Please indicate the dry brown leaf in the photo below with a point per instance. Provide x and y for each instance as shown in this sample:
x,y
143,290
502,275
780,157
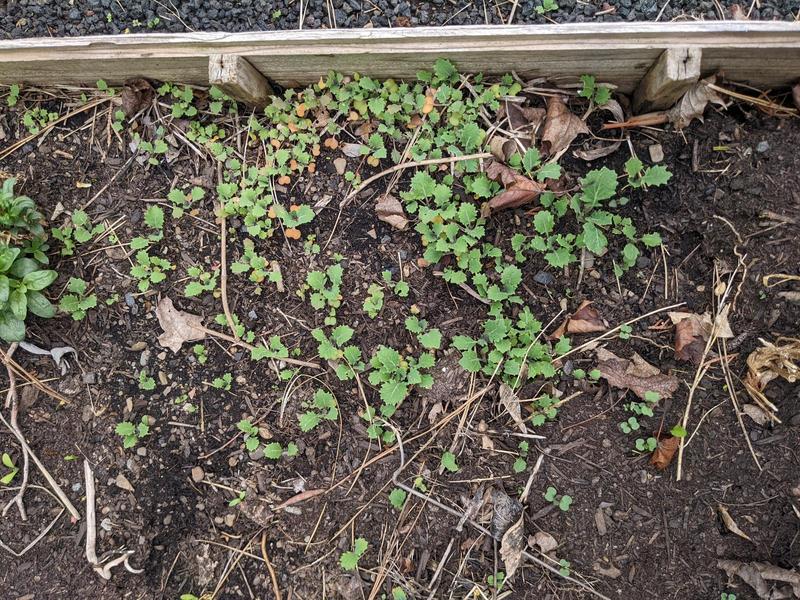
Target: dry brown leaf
x,y
519,189
781,359
615,109
544,541
561,127
502,148
693,103
511,547
505,512
730,524
390,210
586,319
179,327
762,577
692,332
351,150
664,452
796,95
511,403
756,413
636,375
136,95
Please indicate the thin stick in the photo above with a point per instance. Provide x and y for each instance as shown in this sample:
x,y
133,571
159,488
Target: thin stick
x,y
275,587
56,488
19,144
243,344
408,165
12,399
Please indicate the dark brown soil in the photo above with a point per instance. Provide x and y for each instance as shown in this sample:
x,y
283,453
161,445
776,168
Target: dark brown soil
x,y
630,528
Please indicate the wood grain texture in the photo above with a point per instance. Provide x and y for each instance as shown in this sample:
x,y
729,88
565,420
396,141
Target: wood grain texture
x,y
668,79
239,79
761,53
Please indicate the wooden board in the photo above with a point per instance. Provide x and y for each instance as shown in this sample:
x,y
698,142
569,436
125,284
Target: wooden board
x,y
764,54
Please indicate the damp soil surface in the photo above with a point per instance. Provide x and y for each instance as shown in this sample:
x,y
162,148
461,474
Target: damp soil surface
x,y
171,499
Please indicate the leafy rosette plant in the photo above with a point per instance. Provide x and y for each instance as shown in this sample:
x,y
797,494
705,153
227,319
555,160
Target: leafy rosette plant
x,y
21,284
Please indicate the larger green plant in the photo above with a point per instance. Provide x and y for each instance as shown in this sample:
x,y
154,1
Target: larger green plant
x,y
22,277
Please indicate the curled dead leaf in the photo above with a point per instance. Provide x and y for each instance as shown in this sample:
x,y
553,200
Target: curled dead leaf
x,y
179,327
693,103
796,95
636,375
502,148
596,152
730,524
781,359
692,332
586,319
519,189
510,401
511,547
390,210
664,453
542,540
561,127
136,95
764,578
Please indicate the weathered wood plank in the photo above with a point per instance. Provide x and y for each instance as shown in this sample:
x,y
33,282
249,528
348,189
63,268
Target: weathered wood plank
x,y
668,79
761,53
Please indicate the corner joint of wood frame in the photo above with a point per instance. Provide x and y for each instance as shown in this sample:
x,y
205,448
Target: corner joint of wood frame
x,y
675,71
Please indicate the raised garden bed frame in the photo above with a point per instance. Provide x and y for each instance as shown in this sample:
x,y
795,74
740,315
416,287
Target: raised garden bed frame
x,y
763,54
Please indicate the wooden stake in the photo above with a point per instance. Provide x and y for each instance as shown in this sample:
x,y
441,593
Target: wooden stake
x,y
668,79
239,79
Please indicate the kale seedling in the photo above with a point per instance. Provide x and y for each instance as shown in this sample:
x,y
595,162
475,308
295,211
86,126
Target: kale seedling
x,y
77,302
349,560
397,498
396,375
223,383
562,502
323,407
132,434
374,300
12,471
335,348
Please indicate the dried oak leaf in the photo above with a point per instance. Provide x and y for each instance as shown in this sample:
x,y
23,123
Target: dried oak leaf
x,y
519,189
636,375
544,541
390,210
512,546
586,319
179,327
561,127
692,332
136,95
693,103
664,452
763,578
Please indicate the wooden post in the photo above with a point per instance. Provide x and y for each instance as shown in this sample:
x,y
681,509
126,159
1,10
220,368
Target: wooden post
x,y
675,71
238,79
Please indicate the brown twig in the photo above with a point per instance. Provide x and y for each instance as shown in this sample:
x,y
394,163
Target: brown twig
x,y
408,165
273,577
12,400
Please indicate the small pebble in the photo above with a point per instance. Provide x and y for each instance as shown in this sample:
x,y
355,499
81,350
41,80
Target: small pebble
x,y
122,483
656,153
762,147
198,474
544,278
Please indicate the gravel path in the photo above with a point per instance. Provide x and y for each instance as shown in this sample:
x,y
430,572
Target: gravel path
x,y
27,18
